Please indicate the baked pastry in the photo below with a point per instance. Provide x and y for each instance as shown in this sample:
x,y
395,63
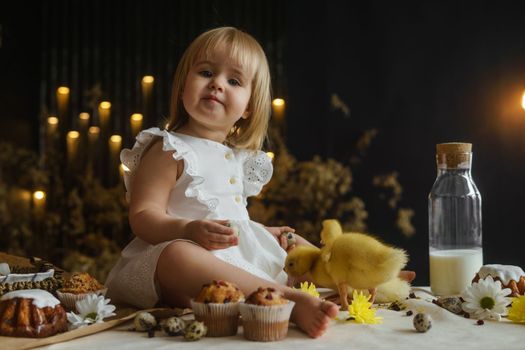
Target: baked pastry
x,y
77,287
512,277
219,292
80,283
266,297
32,313
266,314
217,305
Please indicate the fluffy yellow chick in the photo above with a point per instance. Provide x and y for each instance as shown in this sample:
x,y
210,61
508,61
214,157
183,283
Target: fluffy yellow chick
x,y
305,260
357,260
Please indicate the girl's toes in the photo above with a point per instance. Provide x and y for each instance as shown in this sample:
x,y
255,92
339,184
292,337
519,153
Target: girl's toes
x,y
330,309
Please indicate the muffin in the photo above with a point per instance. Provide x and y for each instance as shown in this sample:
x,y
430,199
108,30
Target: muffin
x,y
77,287
265,315
217,305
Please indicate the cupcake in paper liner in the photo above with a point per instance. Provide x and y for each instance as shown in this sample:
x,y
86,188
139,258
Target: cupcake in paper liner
x,y
265,315
217,305
77,287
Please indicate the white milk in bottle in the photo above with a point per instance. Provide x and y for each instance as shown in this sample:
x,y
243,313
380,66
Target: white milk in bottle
x,y
454,217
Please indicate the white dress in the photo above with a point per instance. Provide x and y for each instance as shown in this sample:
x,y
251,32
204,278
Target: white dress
x,y
214,185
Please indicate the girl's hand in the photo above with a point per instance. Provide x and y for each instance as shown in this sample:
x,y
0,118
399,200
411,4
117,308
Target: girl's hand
x,y
211,234
278,233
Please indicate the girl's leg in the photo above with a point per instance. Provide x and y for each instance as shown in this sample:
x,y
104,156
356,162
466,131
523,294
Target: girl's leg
x,y
184,267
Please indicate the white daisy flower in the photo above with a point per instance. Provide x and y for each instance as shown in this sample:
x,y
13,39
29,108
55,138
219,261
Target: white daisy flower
x,y
92,309
485,300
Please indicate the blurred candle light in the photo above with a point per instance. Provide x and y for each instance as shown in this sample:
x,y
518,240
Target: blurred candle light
x,y
147,89
123,169
93,137
104,112
271,155
20,198
52,124
523,100
39,203
278,106
51,133
93,134
25,196
148,79
62,101
115,143
83,119
136,124
72,146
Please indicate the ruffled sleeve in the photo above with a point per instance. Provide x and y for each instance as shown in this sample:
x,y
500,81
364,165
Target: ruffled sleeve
x,y
258,170
170,142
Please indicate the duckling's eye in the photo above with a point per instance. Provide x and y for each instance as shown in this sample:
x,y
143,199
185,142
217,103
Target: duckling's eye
x,y
290,264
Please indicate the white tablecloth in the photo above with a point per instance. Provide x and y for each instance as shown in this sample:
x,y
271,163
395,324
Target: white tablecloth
x,y
448,332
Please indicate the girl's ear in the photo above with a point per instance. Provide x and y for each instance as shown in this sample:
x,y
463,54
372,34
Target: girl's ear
x,y
246,114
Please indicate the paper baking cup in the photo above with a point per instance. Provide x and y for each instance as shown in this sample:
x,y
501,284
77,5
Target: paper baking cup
x,y
68,300
266,323
221,319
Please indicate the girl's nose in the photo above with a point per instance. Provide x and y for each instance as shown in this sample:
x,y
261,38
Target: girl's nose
x,y
215,84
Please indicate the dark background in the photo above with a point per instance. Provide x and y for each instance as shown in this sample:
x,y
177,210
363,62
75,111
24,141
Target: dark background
x,y
420,73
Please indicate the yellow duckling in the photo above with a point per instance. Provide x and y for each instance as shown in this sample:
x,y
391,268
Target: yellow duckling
x,y
357,260
306,261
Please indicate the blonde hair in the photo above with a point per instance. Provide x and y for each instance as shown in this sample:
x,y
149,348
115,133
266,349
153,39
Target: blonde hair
x,y
248,133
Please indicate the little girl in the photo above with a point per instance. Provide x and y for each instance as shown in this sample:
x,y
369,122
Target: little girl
x,y
187,187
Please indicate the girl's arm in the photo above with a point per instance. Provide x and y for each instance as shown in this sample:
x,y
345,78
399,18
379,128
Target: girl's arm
x,y
155,176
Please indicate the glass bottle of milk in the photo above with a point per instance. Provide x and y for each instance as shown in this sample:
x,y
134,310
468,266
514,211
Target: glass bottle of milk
x,y
454,220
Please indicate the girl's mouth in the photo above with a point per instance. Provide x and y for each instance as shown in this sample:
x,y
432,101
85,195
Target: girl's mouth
x,y
213,98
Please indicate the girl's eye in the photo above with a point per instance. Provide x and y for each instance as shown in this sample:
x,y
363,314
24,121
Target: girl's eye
x,y
234,82
206,73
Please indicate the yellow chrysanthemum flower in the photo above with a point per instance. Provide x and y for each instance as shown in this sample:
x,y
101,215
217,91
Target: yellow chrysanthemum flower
x,y
309,288
517,310
360,309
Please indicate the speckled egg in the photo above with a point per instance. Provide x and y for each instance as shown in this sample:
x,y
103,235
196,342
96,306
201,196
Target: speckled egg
x,y
173,326
195,331
452,304
144,321
422,322
234,227
290,238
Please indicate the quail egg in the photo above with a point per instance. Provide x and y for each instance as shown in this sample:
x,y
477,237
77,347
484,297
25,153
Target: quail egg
x,y
173,326
144,321
452,304
422,322
195,331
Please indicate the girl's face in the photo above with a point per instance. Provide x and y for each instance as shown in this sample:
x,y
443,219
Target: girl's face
x,y
217,92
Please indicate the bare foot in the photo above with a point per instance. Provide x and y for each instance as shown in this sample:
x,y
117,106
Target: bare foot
x,y
311,314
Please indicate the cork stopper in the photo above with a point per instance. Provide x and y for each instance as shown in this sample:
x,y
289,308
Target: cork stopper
x,y
453,155
453,147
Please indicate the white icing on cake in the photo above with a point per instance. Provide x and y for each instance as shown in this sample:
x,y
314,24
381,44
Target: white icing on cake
x,y
4,269
41,298
506,273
